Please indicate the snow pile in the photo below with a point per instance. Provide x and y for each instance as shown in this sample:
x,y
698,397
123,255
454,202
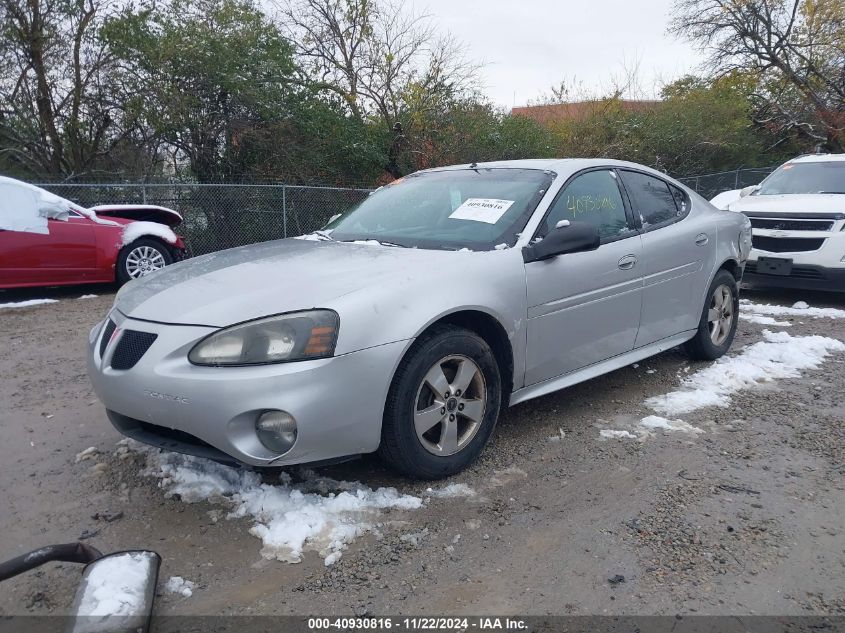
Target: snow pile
x,y
178,585
27,303
116,586
136,230
318,514
778,356
763,320
26,208
800,309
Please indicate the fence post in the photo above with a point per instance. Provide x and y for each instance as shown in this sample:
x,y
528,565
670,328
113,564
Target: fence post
x,y
736,180
285,210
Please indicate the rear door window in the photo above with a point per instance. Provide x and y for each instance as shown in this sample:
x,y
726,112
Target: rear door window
x,y
652,200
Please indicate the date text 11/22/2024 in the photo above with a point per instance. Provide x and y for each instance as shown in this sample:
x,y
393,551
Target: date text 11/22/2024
x,y
418,624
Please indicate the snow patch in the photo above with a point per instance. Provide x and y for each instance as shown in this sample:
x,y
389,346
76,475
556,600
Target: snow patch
x,y
778,356
800,309
319,514
178,585
27,303
136,230
656,422
115,586
88,297
608,434
759,319
452,490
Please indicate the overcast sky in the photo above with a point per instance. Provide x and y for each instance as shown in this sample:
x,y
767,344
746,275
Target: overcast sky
x,y
530,45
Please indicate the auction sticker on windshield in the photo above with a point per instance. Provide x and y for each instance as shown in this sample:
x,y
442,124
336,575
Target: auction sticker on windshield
x,y
489,210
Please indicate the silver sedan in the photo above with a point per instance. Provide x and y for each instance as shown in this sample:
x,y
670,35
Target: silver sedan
x,y
407,324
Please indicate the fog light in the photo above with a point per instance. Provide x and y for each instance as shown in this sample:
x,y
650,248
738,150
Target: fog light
x,y
276,430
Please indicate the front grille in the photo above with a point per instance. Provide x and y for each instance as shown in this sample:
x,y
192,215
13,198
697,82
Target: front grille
x,y
791,225
107,334
130,348
785,244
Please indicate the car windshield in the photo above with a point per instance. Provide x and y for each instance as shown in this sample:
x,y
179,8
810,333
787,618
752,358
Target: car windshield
x,y
477,209
815,177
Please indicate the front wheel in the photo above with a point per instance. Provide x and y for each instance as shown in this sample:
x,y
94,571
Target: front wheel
x,y
141,258
717,326
443,404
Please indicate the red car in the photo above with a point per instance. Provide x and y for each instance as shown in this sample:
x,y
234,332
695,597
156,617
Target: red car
x,y
46,240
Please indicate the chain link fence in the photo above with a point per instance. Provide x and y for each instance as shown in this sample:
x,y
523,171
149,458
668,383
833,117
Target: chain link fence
x,y
216,217
709,185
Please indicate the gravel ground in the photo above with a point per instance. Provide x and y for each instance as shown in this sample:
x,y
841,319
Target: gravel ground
x,y
744,518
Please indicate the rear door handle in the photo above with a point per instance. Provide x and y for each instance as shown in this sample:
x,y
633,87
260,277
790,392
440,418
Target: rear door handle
x,y
628,262
701,239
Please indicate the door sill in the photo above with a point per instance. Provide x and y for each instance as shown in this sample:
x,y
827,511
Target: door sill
x,y
592,371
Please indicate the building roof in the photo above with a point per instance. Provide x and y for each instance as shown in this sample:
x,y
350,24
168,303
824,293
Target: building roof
x,y
579,110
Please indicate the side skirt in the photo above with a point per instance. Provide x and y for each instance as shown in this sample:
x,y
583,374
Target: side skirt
x,y
587,373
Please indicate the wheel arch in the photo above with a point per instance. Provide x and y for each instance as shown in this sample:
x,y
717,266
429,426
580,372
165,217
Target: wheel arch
x,y
733,267
170,248
489,328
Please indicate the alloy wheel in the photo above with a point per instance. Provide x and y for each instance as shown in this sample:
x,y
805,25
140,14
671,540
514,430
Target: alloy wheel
x,y
143,260
450,405
720,316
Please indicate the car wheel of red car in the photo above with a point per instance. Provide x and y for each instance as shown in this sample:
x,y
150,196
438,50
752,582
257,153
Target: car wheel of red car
x,y
140,258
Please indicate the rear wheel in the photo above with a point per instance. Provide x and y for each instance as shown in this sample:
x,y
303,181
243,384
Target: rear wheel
x,y
717,326
443,404
141,258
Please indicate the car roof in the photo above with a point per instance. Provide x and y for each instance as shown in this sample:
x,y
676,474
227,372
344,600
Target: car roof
x,y
558,165
818,158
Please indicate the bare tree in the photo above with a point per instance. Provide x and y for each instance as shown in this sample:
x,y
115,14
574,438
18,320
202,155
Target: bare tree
x,y
796,48
383,62
56,114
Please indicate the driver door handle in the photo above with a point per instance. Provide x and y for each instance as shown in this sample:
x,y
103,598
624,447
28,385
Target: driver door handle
x,y
627,262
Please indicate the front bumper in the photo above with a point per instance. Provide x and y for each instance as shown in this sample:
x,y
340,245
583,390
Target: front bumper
x,y
165,401
811,259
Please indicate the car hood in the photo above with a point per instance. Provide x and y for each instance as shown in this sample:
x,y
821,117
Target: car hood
x,y
253,281
809,204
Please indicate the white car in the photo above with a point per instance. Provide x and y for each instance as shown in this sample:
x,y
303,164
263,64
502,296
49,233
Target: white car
x,y
798,219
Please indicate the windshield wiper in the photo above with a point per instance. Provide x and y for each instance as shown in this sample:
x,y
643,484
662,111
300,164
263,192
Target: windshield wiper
x,y
324,235
372,239
839,192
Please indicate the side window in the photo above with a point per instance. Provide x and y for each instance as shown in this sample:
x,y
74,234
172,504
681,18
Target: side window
x,y
652,199
592,197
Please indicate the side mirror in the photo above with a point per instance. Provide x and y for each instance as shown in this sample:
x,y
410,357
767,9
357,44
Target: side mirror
x,y
747,191
117,593
568,237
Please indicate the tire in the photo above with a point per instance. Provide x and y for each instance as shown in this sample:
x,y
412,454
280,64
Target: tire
x,y
464,359
140,258
707,344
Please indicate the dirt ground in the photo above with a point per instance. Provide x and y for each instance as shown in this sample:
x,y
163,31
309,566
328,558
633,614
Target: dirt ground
x,y
745,518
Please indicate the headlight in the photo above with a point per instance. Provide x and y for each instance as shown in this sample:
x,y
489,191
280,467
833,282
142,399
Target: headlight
x,y
278,339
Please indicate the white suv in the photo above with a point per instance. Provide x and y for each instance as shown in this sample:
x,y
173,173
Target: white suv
x,y
798,220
